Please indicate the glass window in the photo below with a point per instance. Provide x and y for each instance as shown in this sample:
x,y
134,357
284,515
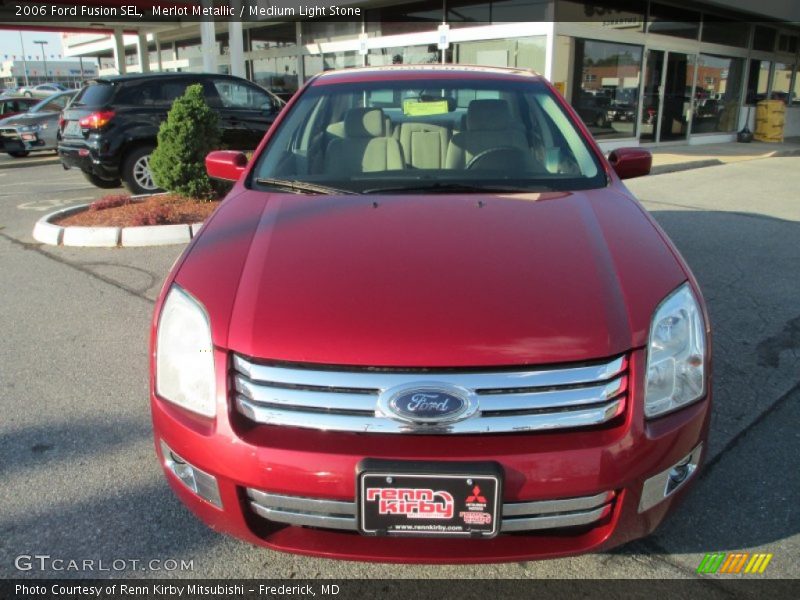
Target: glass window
x,y
717,30
523,53
239,95
333,60
405,55
328,31
403,18
277,74
279,35
764,38
719,85
670,20
757,81
463,12
414,136
781,82
605,90
95,94
625,15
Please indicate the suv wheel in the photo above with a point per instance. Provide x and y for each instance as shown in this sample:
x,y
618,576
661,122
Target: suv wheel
x,y
136,171
101,183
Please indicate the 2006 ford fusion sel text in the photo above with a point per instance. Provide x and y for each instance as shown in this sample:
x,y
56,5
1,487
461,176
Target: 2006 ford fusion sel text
x,y
430,324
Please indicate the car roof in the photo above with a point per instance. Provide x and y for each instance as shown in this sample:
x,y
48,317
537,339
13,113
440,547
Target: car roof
x,y
425,72
162,75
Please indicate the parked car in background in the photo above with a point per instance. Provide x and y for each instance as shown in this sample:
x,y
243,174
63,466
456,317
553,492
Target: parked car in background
x,y
42,90
35,130
110,129
593,110
12,105
430,324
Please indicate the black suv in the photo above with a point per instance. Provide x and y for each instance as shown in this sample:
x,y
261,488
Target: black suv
x,y
110,128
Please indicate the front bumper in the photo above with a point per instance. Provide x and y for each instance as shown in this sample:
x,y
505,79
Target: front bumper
x,y
12,140
256,464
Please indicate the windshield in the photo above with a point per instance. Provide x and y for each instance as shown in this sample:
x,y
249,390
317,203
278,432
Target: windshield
x,y
429,135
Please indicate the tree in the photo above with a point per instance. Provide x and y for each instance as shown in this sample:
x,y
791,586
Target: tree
x,y
190,132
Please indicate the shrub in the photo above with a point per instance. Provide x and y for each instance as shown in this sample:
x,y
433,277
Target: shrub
x,y
111,201
190,132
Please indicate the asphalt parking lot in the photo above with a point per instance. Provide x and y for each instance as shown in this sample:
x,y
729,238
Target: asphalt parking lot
x,y
80,475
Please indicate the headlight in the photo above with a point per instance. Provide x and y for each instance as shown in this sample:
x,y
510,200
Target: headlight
x,y
676,354
184,355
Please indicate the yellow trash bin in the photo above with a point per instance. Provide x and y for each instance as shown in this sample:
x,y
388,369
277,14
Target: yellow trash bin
x,y
770,118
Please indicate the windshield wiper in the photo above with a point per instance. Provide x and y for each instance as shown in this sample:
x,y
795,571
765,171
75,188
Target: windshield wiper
x,y
437,187
298,187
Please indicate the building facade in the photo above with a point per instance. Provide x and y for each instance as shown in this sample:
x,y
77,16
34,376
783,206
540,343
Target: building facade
x,y
637,71
70,73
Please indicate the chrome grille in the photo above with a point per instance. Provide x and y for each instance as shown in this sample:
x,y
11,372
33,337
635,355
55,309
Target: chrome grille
x,y
508,401
517,516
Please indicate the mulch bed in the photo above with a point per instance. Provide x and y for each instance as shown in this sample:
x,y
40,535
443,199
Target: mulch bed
x,y
122,211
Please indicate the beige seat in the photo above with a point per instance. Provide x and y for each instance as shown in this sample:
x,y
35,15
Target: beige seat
x,y
365,146
488,125
337,129
424,145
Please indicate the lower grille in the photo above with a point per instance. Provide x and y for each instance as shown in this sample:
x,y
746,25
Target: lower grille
x,y
353,400
517,516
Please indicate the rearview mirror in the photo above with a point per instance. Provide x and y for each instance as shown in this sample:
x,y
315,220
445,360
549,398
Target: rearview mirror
x,y
631,162
227,165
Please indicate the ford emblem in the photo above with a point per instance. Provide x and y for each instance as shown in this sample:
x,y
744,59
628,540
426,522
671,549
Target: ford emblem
x,y
432,403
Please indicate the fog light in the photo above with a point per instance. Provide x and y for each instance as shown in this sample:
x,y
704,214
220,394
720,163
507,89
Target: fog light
x,y
200,482
679,473
660,486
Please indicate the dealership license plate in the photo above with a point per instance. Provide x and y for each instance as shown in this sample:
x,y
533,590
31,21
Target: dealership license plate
x,y
72,128
419,501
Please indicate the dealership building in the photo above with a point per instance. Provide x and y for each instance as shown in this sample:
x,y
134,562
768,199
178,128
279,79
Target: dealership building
x,y
637,71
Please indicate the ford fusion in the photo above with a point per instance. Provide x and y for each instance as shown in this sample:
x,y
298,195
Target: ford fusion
x,y
430,324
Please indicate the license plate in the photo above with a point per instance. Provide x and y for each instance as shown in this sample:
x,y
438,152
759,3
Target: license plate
x,y
429,499
72,128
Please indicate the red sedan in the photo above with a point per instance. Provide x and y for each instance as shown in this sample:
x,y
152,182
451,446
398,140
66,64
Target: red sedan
x,y
430,324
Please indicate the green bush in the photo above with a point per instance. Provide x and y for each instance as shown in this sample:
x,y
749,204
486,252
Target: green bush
x,y
190,132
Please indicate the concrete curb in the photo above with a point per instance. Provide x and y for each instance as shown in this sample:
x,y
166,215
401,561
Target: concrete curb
x,y
714,162
51,234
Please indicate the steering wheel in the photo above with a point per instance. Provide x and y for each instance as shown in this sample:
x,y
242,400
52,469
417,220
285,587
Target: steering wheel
x,y
500,158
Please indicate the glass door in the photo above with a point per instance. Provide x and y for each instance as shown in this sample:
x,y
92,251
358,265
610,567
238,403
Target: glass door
x,y
667,98
651,96
676,108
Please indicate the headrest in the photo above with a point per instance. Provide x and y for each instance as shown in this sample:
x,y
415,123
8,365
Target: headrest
x,y
363,122
488,114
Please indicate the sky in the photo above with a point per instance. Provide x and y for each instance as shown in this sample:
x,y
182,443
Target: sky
x,y
10,44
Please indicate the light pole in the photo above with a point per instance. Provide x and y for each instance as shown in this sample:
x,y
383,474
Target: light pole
x,y
24,62
44,56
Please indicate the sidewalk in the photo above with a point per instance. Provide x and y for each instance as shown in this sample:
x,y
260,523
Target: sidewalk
x,y
680,158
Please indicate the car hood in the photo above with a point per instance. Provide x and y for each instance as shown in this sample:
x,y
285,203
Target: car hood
x,y
431,280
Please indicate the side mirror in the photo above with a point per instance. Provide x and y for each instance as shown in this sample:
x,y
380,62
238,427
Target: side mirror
x,y
226,164
631,162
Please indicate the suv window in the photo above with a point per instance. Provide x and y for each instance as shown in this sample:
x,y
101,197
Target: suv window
x,y
95,94
138,93
238,95
173,89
